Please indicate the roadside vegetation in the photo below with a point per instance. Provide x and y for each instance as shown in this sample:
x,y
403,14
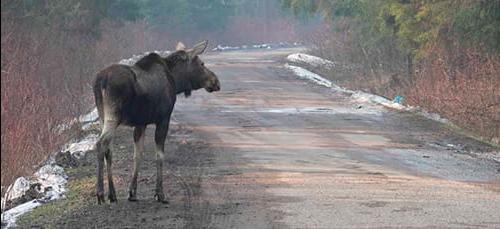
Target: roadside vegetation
x,y
440,55
51,51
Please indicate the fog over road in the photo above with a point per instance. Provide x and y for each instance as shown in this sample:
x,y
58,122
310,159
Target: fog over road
x,y
273,151
321,161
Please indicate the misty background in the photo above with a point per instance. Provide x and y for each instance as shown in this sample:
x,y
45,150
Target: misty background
x,y
439,55
51,51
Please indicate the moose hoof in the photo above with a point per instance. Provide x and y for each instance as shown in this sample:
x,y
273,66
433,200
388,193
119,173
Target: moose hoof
x,y
161,198
112,198
100,198
132,198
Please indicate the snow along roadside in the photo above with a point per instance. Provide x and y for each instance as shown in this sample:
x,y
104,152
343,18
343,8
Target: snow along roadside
x,y
49,182
220,48
356,95
363,97
302,58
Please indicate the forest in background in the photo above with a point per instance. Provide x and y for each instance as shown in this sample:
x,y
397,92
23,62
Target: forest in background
x,y
51,50
442,55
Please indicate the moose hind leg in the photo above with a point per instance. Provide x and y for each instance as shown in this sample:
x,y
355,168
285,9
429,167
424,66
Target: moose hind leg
x,y
138,151
111,193
160,136
102,147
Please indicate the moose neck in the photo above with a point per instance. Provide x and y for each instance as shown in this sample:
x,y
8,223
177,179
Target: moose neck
x,y
183,82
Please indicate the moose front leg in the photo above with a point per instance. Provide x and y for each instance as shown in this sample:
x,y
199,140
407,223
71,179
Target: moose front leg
x,y
138,151
160,136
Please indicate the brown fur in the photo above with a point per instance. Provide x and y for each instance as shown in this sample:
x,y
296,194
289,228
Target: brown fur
x,y
144,94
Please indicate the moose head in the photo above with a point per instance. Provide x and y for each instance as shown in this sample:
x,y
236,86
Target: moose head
x,y
189,71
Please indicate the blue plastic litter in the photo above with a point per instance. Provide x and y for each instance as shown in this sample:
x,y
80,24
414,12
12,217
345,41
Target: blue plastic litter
x,y
398,99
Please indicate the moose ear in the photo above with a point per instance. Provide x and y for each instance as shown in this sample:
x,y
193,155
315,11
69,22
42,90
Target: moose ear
x,y
198,48
180,46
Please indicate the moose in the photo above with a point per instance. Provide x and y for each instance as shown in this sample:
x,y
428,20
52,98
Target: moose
x,y
143,94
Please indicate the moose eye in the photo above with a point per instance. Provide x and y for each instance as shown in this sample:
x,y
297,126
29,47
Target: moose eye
x,y
202,64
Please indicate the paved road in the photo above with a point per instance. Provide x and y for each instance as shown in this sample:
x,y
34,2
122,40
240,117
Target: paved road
x,y
274,151
308,157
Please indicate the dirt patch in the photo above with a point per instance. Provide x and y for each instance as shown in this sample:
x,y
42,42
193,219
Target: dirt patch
x,y
194,183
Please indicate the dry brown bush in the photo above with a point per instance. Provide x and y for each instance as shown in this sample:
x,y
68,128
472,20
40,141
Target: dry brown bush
x,y
458,83
46,76
463,86
27,106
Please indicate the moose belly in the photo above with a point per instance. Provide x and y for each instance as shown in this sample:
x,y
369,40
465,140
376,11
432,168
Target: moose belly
x,y
144,111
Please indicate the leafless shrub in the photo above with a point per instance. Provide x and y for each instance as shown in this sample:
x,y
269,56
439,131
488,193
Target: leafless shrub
x,y
460,84
27,106
46,75
463,87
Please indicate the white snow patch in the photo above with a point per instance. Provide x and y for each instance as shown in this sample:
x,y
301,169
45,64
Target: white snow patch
x,y
256,46
86,119
9,217
432,116
52,180
360,96
51,177
131,60
59,129
92,116
224,48
88,126
135,58
306,74
495,155
16,190
78,149
261,46
314,61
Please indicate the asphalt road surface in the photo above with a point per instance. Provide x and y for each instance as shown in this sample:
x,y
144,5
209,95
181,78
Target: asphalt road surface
x,y
274,151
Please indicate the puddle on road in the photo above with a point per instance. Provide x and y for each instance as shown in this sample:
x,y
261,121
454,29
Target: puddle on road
x,y
366,140
307,110
458,167
240,62
276,139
